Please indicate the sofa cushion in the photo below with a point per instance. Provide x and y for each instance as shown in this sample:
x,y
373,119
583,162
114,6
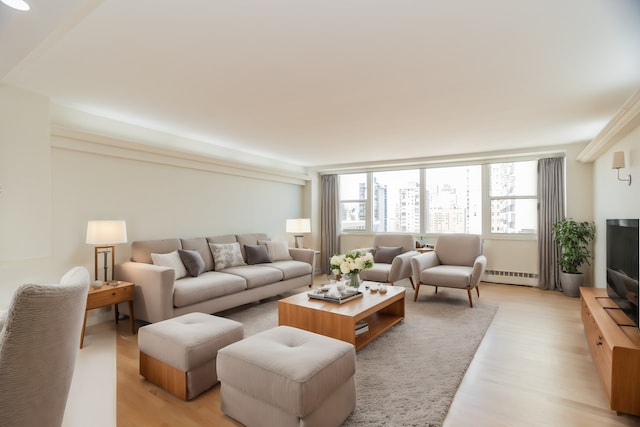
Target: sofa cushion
x,y
208,285
292,268
257,275
201,245
192,261
386,254
249,239
378,273
171,260
256,254
226,255
278,250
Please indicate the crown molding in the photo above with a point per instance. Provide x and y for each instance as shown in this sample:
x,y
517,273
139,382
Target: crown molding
x,y
74,140
626,119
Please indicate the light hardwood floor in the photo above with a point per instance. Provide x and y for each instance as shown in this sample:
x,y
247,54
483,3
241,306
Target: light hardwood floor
x,y
533,368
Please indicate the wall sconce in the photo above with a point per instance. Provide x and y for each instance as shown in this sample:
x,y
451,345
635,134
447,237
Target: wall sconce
x,y
106,234
297,227
618,163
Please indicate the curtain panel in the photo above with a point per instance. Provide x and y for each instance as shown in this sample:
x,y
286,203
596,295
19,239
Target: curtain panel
x,y
329,209
550,210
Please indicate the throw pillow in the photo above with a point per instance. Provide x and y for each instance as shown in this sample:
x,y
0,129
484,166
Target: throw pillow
x,y
256,254
386,254
278,250
192,261
171,260
226,255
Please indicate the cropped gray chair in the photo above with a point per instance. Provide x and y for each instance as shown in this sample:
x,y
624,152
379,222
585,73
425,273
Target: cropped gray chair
x,y
392,255
39,341
456,262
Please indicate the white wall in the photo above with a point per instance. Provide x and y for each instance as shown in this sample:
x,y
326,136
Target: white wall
x,y
25,175
615,199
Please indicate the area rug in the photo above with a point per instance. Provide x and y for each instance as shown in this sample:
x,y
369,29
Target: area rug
x,y
409,375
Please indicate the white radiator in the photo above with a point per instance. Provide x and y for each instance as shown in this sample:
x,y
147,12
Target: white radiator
x,y
511,277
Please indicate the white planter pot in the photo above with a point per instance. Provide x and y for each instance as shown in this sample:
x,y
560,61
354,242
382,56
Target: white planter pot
x,y
571,283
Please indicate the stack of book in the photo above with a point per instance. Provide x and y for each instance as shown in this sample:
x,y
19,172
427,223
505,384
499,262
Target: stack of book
x,y
361,327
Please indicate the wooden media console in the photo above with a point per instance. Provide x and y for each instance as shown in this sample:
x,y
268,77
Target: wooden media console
x,y
614,341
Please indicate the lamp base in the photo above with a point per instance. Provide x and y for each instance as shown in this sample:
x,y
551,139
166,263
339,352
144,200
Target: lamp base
x,y
105,250
299,241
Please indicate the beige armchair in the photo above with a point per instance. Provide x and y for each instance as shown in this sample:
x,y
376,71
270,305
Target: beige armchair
x,y
39,341
456,262
392,255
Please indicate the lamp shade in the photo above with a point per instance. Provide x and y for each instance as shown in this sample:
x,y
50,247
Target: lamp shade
x,y
299,225
618,160
106,232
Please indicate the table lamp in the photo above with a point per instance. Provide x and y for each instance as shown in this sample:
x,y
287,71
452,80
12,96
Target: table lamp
x,y
106,234
298,226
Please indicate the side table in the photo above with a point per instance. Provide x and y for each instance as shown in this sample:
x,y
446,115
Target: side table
x,y
108,295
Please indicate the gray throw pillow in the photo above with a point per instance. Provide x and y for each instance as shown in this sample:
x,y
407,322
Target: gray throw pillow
x,y
226,255
192,261
256,254
386,254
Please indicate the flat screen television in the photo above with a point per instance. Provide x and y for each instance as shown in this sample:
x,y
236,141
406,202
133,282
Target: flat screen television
x,y
623,257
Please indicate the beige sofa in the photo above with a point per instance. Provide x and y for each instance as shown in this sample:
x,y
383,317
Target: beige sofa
x,y
159,295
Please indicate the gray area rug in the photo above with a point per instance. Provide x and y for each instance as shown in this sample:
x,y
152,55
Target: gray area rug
x,y
409,375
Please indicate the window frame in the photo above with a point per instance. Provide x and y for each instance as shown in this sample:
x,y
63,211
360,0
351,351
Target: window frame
x,y
485,198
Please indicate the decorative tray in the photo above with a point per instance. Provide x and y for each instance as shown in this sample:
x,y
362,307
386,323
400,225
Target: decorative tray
x,y
346,296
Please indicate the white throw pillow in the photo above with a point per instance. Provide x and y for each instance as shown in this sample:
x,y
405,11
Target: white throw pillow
x,y
171,260
226,255
278,250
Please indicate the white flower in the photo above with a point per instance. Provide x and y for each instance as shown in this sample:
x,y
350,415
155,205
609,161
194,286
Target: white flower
x,y
351,263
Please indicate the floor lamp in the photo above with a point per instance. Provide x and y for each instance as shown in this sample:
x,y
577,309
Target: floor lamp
x,y
298,226
106,234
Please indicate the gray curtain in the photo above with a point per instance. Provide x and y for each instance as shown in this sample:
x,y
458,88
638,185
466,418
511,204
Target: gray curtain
x,y
550,210
329,209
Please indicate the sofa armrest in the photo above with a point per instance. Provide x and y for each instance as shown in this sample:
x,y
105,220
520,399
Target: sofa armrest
x,y
479,265
153,300
304,255
401,266
421,262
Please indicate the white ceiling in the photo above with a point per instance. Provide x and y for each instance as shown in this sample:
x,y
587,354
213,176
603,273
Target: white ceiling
x,y
334,81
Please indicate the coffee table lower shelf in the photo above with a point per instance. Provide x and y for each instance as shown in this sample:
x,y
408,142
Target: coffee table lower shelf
x,y
338,321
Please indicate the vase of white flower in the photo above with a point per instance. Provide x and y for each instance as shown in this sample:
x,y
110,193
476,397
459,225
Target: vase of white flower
x,y
350,265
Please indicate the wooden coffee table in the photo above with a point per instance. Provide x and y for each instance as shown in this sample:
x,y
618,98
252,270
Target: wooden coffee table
x,y
380,311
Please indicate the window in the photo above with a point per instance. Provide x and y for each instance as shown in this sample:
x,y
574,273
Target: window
x,y
353,201
396,201
447,199
513,197
453,200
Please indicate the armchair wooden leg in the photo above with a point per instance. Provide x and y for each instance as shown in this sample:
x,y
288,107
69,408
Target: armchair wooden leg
x,y
436,289
470,300
415,296
411,280
478,290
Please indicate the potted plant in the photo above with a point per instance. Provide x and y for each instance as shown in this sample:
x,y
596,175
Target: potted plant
x,y
573,238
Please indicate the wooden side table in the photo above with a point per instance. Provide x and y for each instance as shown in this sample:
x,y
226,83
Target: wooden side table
x,y
108,295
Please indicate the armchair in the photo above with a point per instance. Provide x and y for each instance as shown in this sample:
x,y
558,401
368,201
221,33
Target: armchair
x,y
39,341
456,262
392,255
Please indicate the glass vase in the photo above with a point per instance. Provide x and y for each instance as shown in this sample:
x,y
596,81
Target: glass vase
x,y
353,280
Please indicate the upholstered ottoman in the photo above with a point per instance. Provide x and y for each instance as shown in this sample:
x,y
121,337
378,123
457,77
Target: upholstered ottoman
x,y
179,354
288,377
